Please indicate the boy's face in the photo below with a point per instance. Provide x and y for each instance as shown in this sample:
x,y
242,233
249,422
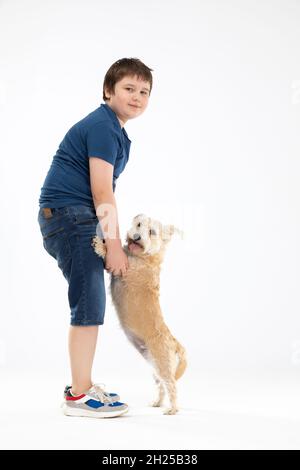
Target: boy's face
x,y
130,98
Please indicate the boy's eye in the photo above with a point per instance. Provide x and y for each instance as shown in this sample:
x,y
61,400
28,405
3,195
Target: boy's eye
x,y
145,93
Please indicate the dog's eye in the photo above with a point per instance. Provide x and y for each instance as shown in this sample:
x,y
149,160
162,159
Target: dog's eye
x,y
152,232
139,224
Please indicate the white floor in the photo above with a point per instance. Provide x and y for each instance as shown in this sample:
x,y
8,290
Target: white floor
x,y
218,411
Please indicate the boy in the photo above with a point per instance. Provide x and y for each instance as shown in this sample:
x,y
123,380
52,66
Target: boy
x,y
80,182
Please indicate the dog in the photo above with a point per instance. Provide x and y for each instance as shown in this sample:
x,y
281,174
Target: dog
x,y
136,299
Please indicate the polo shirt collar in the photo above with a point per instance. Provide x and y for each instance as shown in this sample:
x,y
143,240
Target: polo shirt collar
x,y
114,117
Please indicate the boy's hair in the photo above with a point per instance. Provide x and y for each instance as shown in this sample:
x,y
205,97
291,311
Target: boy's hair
x,y
123,67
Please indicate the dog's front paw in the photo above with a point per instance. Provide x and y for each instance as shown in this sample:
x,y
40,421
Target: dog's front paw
x,y
156,403
171,411
99,246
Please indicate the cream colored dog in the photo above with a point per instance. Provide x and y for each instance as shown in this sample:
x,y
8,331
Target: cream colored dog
x,y
136,299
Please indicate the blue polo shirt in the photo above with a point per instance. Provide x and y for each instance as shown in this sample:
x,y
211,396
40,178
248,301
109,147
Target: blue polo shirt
x,y
100,135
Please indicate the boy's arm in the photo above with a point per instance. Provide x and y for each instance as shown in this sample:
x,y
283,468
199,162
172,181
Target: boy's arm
x,y
101,176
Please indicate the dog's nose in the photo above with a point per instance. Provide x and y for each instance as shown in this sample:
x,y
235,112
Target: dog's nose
x,y
136,237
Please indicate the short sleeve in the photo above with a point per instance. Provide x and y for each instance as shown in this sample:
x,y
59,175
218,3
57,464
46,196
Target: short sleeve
x,y
102,141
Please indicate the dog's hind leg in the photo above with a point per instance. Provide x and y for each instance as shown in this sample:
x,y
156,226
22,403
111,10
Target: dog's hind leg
x,y
137,342
170,385
161,391
140,346
165,363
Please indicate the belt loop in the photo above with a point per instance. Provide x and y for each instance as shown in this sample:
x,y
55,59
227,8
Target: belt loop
x,y
47,212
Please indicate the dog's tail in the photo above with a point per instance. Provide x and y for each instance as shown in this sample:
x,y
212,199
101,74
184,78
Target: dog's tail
x,y
181,354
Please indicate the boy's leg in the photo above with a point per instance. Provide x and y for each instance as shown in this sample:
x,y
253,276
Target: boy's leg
x,y
82,346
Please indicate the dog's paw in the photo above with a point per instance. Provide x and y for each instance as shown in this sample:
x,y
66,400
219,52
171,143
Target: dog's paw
x,y
156,403
99,246
171,411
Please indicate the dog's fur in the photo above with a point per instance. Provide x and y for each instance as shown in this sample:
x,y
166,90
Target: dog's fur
x,y
136,299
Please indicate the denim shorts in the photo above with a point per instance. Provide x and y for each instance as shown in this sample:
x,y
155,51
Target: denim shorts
x,y
67,234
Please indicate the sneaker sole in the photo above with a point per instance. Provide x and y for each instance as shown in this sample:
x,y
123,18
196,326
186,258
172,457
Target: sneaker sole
x,y
92,414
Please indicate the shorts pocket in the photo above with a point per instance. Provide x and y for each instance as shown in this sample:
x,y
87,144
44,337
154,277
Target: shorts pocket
x,y
57,245
54,232
50,227
54,219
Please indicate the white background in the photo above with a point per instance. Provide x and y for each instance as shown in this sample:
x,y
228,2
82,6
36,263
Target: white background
x,y
216,152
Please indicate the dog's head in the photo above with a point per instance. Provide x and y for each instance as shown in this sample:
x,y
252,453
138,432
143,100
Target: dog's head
x,y
148,236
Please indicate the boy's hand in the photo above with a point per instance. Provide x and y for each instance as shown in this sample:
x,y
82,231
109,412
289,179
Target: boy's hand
x,y
116,261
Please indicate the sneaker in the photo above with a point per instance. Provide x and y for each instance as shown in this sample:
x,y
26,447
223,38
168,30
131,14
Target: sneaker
x,y
113,396
93,404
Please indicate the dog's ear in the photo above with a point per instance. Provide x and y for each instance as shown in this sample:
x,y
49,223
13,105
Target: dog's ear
x,y
168,231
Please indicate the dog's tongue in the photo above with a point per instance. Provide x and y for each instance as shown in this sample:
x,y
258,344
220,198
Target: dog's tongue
x,y
134,247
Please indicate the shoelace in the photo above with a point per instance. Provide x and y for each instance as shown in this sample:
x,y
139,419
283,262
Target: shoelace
x,y
99,390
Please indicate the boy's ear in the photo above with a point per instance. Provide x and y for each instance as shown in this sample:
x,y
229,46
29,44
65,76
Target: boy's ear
x,y
169,230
